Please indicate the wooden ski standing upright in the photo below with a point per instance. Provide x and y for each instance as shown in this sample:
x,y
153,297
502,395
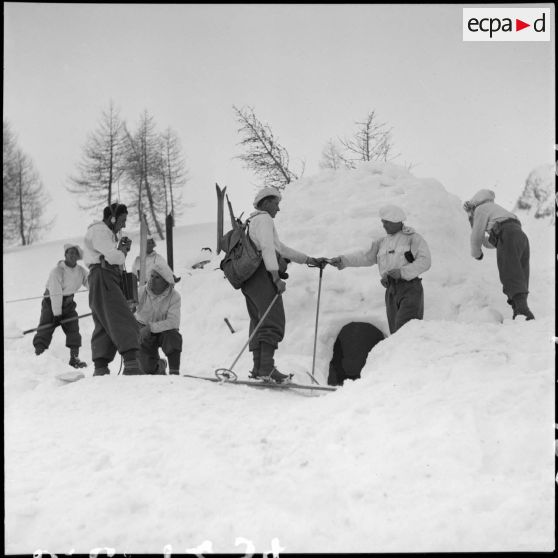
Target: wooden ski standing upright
x,y
220,208
143,249
169,224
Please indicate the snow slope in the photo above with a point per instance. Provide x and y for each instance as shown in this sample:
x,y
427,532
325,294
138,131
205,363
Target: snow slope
x,y
445,444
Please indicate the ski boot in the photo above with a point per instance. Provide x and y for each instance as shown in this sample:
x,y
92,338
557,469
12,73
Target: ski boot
x,y
161,367
101,371
275,377
257,362
74,360
131,367
267,371
520,307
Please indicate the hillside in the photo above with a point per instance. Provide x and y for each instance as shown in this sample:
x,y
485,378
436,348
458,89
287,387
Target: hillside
x,y
447,433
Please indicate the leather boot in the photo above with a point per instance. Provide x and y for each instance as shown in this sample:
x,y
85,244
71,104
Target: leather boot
x,y
161,368
174,363
520,307
267,369
101,368
131,364
74,360
256,356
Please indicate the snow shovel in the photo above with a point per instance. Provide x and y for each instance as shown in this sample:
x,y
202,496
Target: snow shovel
x,y
228,373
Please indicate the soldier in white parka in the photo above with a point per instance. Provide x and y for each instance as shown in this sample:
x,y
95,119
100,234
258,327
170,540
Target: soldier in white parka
x,y
401,256
58,304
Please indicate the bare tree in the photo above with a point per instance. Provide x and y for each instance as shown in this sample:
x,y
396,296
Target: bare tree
x,y
25,199
371,142
263,154
9,148
103,163
332,158
144,175
173,171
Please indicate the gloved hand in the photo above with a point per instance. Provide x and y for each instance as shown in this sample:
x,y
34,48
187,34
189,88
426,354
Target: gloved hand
x,y
394,273
124,244
279,284
57,319
144,333
337,262
384,280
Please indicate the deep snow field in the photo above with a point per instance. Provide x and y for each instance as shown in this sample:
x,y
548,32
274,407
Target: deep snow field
x,y
445,444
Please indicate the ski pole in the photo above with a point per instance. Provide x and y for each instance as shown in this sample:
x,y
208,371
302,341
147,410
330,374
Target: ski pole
x,y
36,297
46,326
251,336
321,266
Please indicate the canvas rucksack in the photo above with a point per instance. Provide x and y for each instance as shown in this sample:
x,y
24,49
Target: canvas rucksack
x,y
242,258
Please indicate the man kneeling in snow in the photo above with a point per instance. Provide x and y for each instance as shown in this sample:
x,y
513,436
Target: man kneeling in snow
x,y
158,315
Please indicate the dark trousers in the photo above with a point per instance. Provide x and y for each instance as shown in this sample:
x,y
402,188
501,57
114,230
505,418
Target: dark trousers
x,y
116,328
169,341
259,291
404,302
43,337
512,257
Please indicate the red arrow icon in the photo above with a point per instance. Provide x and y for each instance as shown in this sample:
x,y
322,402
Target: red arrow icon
x,y
519,25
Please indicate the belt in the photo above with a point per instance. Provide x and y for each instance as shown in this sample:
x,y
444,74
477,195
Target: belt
x,y
509,221
113,267
392,280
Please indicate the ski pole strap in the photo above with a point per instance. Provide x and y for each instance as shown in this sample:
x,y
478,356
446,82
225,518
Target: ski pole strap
x,y
321,265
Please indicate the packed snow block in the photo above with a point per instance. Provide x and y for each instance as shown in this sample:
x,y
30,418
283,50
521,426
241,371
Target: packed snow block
x,y
350,351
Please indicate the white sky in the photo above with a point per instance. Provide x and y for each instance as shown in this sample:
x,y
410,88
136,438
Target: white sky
x,y
471,114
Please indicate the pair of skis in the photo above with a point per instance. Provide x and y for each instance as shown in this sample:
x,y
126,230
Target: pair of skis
x,y
261,383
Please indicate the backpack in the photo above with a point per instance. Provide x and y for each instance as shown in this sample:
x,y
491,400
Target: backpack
x,y
242,258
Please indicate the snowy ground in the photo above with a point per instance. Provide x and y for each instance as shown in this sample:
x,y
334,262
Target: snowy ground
x,y
445,444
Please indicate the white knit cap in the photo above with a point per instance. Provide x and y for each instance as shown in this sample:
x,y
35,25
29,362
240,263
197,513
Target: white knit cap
x,y
163,269
79,250
483,195
264,193
392,213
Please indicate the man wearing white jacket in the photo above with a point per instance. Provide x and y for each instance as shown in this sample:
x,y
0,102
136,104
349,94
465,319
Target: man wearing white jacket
x,y
266,282
115,326
511,243
401,256
158,315
58,304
